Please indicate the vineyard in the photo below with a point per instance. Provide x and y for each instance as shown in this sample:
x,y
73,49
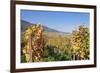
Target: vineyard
x,y
38,45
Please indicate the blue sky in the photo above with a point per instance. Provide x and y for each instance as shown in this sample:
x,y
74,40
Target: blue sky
x,y
61,21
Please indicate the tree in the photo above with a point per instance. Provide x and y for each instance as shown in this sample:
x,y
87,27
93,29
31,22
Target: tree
x,y
80,43
34,42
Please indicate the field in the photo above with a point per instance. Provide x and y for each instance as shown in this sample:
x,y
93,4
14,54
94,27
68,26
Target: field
x,y
41,44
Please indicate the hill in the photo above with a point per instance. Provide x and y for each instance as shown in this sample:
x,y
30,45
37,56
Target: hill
x,y
48,31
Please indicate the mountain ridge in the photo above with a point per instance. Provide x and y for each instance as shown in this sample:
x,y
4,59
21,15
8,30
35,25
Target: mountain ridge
x,y
25,24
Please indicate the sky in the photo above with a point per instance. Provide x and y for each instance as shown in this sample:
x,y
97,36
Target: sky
x,y
61,21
